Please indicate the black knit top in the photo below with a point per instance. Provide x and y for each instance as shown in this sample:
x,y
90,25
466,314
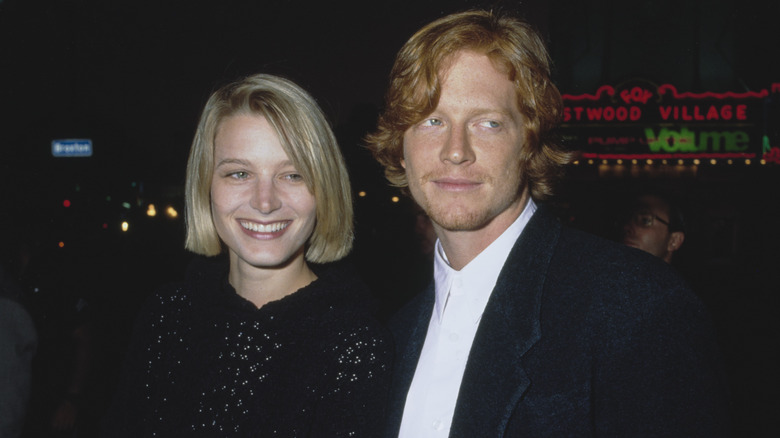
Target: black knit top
x,y
205,362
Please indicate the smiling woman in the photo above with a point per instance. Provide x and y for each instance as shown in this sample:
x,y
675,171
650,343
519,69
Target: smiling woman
x,y
262,209
278,339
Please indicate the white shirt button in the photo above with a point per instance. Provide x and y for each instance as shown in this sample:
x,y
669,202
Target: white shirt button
x,y
438,425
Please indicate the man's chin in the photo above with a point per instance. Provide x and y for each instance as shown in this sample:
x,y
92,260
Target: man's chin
x,y
458,222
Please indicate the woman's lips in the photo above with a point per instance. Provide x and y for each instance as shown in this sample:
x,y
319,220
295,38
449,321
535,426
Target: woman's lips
x,y
270,229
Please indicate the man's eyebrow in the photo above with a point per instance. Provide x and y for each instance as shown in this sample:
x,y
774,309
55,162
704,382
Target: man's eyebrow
x,y
504,113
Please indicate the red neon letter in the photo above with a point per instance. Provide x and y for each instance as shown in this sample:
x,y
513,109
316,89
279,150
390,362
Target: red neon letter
x,y
725,112
665,112
741,112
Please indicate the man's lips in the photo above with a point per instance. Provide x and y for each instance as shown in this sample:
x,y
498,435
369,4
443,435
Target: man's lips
x,y
456,184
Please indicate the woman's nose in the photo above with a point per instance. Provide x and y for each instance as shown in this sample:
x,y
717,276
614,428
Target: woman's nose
x,y
265,197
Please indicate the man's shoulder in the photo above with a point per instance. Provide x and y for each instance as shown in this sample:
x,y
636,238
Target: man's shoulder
x,y
579,266
580,253
591,274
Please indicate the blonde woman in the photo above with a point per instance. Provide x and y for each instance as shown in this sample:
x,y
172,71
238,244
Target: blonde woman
x,y
279,340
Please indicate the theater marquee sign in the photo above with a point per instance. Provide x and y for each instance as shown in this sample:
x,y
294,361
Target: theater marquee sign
x,y
640,121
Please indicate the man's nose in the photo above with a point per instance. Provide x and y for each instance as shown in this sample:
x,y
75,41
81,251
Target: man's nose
x,y
457,147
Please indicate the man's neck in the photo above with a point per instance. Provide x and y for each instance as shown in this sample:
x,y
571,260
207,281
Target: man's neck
x,y
461,247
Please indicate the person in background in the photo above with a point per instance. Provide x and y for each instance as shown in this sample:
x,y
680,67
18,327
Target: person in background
x,y
64,374
529,328
18,344
277,337
654,223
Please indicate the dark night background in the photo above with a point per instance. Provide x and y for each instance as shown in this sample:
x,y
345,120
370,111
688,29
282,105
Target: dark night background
x,y
133,76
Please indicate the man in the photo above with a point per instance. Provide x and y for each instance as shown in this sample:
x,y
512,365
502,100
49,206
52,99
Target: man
x,y
655,225
530,329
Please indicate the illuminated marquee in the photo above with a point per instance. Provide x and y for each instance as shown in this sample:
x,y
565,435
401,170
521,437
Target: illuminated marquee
x,y
640,121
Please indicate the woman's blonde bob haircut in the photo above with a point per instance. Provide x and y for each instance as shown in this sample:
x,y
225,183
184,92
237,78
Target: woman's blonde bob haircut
x,y
515,48
307,140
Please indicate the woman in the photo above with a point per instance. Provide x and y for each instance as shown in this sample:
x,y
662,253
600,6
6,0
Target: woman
x,y
277,341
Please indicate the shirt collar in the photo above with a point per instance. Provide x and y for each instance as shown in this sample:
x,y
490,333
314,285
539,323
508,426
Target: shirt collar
x,y
480,275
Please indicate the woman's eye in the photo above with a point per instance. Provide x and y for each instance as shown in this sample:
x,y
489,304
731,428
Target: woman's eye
x,y
432,122
239,175
294,177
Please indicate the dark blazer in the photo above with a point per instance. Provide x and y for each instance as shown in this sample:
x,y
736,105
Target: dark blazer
x,y
581,337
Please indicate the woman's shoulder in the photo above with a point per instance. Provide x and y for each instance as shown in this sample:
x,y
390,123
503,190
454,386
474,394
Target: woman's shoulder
x,y
202,278
169,296
341,287
344,306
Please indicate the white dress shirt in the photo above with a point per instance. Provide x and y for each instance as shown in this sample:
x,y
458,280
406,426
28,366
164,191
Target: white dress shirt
x,y
461,297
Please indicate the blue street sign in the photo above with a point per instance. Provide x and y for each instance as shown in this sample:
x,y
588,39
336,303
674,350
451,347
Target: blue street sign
x,y
71,148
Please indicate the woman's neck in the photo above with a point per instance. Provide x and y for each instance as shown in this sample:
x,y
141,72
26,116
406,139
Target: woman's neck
x,y
263,285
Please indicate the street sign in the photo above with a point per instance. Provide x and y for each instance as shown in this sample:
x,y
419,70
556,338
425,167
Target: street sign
x,y
71,148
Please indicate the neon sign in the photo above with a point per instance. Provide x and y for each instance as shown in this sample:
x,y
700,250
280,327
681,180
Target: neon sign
x,y
640,120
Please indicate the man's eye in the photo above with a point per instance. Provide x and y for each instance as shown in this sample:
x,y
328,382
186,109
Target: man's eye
x,y
491,124
432,122
646,219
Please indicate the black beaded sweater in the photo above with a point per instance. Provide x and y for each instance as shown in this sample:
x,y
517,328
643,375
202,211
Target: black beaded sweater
x,y
204,362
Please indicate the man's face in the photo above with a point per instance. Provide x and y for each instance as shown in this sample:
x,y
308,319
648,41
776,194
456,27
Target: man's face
x,y
462,161
647,228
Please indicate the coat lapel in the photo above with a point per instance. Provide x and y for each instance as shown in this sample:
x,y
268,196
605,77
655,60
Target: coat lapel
x,y
494,379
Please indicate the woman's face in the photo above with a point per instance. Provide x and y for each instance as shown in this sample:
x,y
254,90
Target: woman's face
x,y
262,209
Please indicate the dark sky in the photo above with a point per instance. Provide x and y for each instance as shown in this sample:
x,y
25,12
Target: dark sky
x,y
133,75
